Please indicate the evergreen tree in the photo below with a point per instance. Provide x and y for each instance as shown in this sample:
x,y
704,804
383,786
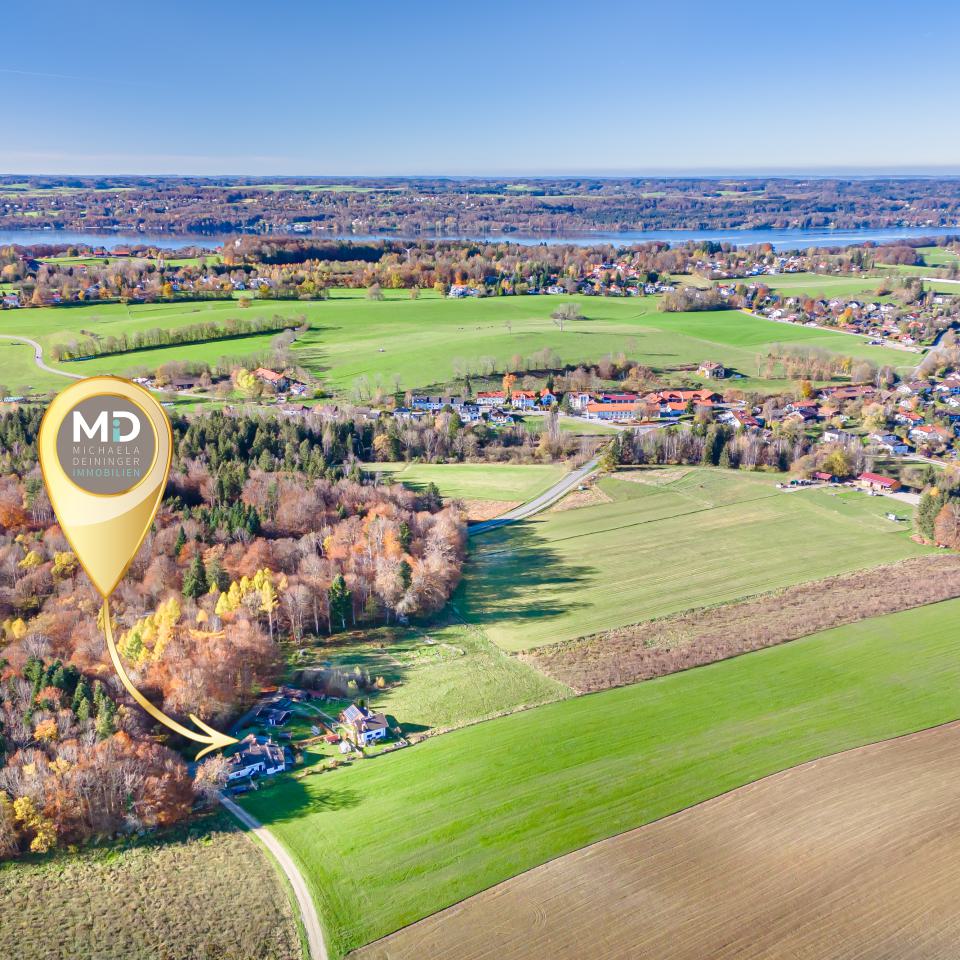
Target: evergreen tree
x,y
341,602
405,574
217,576
80,694
195,583
181,542
82,710
106,719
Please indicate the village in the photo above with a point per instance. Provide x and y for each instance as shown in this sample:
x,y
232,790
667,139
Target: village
x,y
882,322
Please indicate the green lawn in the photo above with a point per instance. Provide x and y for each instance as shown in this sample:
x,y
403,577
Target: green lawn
x,y
419,341
391,840
938,256
474,481
436,678
534,424
688,537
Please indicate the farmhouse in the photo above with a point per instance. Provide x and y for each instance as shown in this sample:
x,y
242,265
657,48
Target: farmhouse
x,y
277,380
362,726
712,370
877,482
256,756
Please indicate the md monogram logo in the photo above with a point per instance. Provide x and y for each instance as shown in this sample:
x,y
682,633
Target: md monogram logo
x,y
117,433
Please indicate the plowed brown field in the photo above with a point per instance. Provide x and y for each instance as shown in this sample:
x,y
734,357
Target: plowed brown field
x,y
853,856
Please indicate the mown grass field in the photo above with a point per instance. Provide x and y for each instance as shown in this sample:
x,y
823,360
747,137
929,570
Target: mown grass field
x,y
473,481
419,341
880,822
671,539
202,893
815,284
388,841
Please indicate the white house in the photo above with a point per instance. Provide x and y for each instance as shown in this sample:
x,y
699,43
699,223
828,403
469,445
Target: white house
x,y
257,756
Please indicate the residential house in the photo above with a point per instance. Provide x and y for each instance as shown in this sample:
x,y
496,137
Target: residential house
x,y
931,435
740,420
275,716
277,380
491,398
908,417
362,726
834,435
421,401
890,443
256,756
523,399
712,370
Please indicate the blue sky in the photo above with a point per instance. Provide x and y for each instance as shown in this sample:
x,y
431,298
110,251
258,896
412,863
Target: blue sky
x,y
313,87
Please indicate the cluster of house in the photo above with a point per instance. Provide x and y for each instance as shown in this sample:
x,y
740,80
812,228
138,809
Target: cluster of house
x,y
490,406
261,756
499,406
923,416
656,405
726,268
282,383
628,277
880,322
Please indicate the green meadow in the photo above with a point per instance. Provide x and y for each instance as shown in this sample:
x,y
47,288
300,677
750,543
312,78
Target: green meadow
x,y
671,539
473,481
436,677
420,342
817,284
390,840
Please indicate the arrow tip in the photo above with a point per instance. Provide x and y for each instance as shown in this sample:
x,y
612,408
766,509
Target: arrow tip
x,y
217,740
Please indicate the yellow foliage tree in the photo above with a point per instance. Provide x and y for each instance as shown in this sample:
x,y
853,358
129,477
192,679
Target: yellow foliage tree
x,y
43,830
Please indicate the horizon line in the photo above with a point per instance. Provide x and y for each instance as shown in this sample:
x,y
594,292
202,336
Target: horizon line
x,y
790,173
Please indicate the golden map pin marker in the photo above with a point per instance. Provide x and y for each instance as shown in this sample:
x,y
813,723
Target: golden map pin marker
x,y
105,448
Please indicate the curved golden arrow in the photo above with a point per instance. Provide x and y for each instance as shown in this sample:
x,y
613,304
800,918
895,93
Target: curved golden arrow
x,y
214,739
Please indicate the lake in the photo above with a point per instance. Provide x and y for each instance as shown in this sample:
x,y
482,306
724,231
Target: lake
x,y
783,239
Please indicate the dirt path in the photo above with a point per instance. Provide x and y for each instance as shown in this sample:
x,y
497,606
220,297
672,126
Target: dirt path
x,y
38,356
308,911
852,857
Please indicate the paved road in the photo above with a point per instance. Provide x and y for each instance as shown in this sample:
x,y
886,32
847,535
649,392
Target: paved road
x,y
38,356
308,911
546,499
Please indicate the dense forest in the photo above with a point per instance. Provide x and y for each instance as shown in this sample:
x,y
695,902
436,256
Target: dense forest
x,y
260,542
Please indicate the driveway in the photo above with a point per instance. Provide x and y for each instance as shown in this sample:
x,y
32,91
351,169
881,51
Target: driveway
x,y
308,911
